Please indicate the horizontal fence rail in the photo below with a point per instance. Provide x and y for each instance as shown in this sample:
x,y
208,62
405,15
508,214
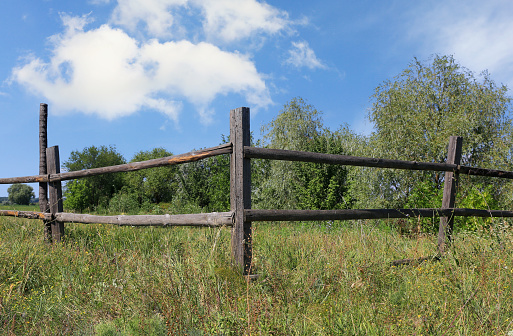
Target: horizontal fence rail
x,y
26,214
290,155
127,167
213,219
256,215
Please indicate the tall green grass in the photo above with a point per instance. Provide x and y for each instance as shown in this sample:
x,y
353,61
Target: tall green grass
x,y
315,279
31,207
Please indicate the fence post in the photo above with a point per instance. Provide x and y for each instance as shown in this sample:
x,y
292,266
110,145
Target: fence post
x,y
449,196
43,186
55,191
240,188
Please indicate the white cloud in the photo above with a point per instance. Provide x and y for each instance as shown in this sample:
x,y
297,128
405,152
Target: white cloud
x,y
223,20
301,55
108,73
155,15
478,34
232,20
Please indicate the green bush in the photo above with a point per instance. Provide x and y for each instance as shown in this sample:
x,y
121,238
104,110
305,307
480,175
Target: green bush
x,y
477,197
470,196
124,201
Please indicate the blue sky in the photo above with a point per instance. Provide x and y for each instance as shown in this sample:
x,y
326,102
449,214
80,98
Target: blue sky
x,y
140,74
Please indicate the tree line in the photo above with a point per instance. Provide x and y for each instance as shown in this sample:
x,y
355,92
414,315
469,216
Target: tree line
x,y
413,116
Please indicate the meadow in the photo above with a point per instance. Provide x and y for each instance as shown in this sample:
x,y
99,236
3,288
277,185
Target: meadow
x,y
314,279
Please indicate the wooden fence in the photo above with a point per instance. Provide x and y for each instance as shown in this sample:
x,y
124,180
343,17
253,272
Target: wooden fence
x,y
241,215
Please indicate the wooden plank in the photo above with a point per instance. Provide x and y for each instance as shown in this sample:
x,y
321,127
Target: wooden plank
x,y
43,186
226,218
132,166
24,179
318,215
347,214
240,188
289,155
55,191
449,195
214,219
26,214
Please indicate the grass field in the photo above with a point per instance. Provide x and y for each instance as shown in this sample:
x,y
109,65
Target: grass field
x,y
32,207
315,279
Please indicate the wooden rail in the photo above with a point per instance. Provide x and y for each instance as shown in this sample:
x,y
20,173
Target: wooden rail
x,y
290,155
213,219
127,167
318,215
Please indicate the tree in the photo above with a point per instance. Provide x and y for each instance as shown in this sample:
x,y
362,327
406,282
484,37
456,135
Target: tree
x,y
415,114
206,183
20,194
322,186
301,185
154,185
92,191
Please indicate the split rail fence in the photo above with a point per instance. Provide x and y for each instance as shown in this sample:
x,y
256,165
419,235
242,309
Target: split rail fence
x,y
241,215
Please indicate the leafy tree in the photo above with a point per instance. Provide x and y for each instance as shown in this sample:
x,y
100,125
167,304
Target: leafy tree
x,y
206,183
301,185
415,114
322,186
20,194
93,191
154,185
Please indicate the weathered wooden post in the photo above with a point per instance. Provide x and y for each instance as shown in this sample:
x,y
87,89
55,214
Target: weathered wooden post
x,y
450,185
240,188
43,186
55,191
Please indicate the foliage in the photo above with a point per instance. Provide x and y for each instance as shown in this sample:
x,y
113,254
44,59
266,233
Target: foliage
x,y
20,194
423,195
94,191
296,124
206,183
415,114
322,186
479,196
153,185
285,184
137,281
124,201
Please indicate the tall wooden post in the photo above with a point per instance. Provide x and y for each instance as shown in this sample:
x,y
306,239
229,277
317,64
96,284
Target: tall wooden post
x,y
43,186
55,191
449,197
240,188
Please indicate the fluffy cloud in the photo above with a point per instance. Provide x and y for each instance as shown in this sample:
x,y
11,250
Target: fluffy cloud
x,y
222,20
301,55
477,33
110,74
155,15
231,20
